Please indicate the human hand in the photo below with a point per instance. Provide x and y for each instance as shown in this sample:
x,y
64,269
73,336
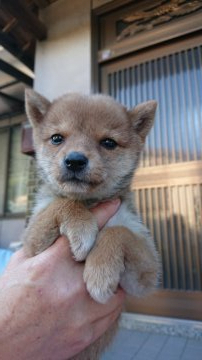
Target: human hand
x,y
45,310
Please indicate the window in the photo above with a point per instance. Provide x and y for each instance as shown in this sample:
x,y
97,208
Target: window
x,y
13,173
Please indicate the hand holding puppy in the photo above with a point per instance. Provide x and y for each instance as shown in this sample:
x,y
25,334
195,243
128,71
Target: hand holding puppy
x,y
45,310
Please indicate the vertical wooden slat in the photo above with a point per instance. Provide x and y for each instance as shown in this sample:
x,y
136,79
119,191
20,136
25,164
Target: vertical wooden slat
x,y
138,100
165,237
144,206
137,201
165,112
144,98
133,87
197,86
199,89
170,98
152,134
180,238
196,220
122,79
123,87
173,241
128,89
158,138
189,101
184,200
115,87
160,235
151,215
110,79
157,220
181,91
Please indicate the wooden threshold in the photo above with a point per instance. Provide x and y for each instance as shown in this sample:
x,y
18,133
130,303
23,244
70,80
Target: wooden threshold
x,y
168,303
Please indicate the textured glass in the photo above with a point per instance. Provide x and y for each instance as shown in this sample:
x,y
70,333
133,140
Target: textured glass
x,y
175,81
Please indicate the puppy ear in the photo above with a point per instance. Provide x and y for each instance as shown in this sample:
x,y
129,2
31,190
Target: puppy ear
x,y
36,106
142,117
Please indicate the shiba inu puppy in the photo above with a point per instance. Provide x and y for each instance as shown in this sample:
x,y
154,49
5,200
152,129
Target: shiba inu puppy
x,y
87,149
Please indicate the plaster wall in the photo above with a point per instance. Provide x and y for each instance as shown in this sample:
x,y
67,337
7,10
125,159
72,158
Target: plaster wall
x,y
63,61
10,231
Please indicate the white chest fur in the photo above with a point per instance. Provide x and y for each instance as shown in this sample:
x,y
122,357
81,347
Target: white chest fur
x,y
42,202
124,217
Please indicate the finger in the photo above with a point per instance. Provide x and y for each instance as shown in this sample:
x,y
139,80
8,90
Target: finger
x,y
59,253
98,311
101,326
104,211
58,250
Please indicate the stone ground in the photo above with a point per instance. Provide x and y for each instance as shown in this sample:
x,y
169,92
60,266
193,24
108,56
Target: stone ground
x,y
136,345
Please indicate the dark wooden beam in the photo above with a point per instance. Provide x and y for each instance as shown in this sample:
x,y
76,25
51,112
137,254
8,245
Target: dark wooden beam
x,y
41,3
7,41
15,73
28,20
12,99
12,113
16,106
9,84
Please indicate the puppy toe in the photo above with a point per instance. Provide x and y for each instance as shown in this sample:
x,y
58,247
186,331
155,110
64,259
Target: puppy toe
x,y
101,282
81,239
138,283
81,246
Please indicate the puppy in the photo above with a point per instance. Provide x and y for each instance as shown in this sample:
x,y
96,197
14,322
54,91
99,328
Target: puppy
x,y
87,149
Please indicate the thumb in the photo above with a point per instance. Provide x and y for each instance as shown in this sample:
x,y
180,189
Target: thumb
x,y
104,211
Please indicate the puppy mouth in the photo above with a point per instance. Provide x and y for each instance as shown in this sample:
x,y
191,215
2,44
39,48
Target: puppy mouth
x,y
74,179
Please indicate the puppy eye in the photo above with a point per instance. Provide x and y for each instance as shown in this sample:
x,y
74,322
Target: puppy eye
x,y
57,139
109,144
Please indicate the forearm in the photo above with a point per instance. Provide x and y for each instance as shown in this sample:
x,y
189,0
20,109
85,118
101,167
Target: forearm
x,y
45,310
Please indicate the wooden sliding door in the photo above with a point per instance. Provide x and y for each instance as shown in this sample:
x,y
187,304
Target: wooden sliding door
x,y
168,184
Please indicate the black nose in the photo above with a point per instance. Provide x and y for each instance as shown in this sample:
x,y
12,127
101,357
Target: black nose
x,y
76,161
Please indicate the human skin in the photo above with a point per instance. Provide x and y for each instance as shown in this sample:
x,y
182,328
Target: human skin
x,y
45,310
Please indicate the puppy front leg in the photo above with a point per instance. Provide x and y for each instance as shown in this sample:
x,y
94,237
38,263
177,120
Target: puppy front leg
x,y
61,217
120,257
80,227
41,232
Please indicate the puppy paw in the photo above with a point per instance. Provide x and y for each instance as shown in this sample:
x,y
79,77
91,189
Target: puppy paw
x,y
102,279
81,237
139,282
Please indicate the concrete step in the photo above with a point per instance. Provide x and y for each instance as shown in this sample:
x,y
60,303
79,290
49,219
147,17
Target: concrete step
x,y
161,325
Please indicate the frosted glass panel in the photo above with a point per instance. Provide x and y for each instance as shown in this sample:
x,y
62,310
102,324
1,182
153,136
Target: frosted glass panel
x,y
175,81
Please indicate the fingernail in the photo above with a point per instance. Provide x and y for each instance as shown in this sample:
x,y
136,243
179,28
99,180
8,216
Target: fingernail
x,y
115,201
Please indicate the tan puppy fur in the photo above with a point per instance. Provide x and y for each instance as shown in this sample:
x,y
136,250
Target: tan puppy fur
x,y
87,150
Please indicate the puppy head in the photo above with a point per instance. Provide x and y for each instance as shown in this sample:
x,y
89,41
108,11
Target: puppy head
x,y
87,147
